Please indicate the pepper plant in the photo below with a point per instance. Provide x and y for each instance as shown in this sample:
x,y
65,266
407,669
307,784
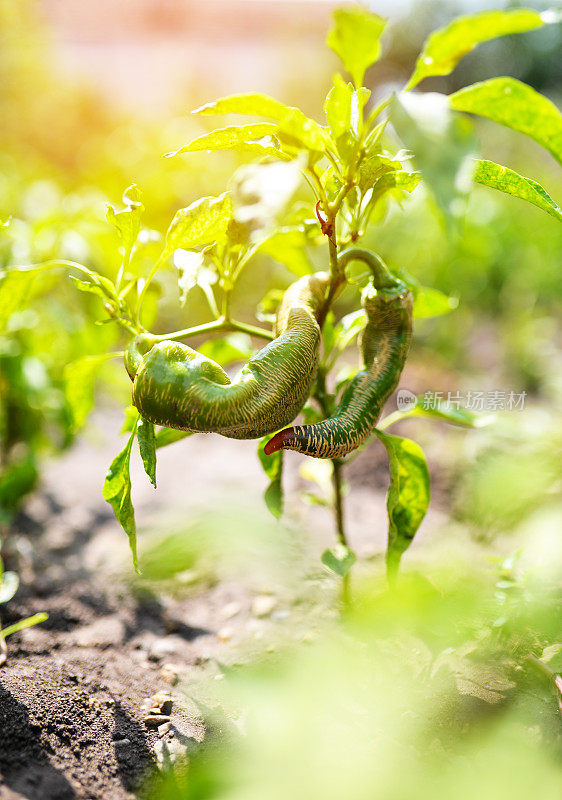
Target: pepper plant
x,y
348,171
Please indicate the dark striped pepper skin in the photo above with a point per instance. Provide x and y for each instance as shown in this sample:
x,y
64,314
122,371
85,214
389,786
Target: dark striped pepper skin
x,y
175,386
385,344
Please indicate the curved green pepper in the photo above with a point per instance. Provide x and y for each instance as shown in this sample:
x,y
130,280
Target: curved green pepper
x,y
386,339
175,386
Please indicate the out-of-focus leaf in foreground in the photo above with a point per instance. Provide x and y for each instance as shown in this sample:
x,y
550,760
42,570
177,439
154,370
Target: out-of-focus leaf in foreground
x,y
443,145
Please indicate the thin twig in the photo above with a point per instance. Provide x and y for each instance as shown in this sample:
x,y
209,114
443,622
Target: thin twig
x,y
220,324
337,466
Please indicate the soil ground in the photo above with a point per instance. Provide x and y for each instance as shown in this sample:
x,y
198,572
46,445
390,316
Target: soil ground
x,y
74,692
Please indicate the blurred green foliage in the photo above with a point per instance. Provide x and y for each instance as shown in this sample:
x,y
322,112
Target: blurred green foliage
x,y
442,686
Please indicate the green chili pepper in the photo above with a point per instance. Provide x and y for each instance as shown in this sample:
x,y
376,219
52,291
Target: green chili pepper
x,y
175,386
386,339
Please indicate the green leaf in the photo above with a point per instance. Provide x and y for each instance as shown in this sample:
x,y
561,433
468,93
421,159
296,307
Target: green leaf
x,y
430,302
117,491
252,104
456,416
147,448
337,106
442,142
87,286
355,38
266,309
400,179
130,420
9,583
347,329
506,180
313,499
411,406
300,129
166,436
17,479
15,286
273,468
235,137
445,47
339,559
287,246
373,168
127,221
320,472
292,121
79,386
225,350
203,222
98,285
408,495
517,106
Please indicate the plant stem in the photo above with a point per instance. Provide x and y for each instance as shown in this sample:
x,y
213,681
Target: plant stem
x,y
320,193
337,467
220,324
338,500
36,619
251,329
336,281
324,401
541,667
382,276
159,262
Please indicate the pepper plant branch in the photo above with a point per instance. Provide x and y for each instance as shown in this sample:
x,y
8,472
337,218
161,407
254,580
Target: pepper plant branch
x,y
159,262
333,208
325,402
220,324
124,264
334,162
541,667
210,297
338,500
321,193
382,276
226,298
338,513
337,278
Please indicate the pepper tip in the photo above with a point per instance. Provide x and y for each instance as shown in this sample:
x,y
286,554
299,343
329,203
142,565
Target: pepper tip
x,y
278,441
